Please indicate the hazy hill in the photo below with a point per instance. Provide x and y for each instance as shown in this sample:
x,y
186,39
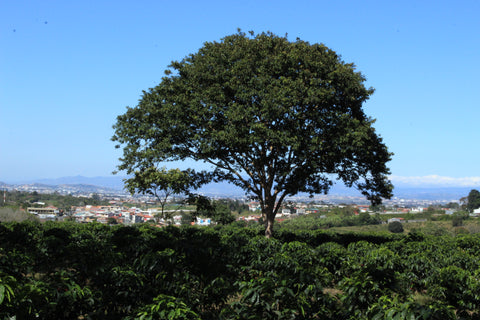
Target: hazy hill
x,y
227,189
112,182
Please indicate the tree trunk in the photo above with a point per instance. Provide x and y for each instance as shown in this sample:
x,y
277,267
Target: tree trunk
x,y
269,225
269,214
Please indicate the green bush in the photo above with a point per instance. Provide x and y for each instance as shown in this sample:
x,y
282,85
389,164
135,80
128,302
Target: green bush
x,y
165,308
93,271
457,221
395,227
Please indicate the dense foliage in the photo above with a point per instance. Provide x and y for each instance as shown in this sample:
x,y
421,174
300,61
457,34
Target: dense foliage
x,y
271,116
92,271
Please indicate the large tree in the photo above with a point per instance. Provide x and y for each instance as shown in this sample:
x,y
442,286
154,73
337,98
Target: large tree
x,y
271,116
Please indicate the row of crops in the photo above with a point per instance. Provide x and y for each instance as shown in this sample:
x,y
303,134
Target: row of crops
x,y
94,271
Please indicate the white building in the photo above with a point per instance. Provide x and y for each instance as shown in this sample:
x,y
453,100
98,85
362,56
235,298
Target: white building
x,y
203,222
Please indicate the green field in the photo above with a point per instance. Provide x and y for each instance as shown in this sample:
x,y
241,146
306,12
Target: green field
x,y
93,271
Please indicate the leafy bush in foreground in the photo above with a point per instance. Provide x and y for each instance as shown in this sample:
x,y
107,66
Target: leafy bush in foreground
x,y
91,271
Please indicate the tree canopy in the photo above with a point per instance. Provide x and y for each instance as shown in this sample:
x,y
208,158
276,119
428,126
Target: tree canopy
x,y
162,184
473,200
271,116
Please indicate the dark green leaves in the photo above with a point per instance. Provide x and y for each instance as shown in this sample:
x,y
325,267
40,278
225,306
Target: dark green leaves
x,y
272,116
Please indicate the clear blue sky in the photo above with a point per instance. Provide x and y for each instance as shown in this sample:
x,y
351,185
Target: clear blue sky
x,y
68,68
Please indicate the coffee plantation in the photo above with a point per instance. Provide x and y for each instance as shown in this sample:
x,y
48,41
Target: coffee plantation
x,y
60,270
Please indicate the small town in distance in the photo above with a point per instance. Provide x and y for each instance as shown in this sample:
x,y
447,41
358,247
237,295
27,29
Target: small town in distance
x,y
108,206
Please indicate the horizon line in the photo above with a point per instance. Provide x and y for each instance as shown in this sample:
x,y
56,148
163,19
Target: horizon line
x,y
414,181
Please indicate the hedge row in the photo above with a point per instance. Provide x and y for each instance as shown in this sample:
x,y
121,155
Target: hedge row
x,y
94,271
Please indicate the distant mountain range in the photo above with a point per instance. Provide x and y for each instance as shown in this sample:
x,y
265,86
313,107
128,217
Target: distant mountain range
x,y
112,182
94,184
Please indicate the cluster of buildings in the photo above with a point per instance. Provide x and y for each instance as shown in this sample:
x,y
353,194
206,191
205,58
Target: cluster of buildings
x,y
119,214
111,214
